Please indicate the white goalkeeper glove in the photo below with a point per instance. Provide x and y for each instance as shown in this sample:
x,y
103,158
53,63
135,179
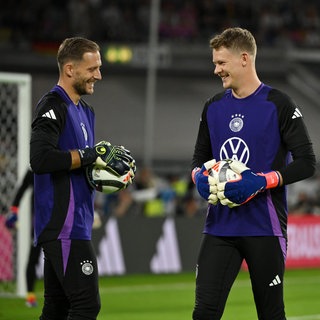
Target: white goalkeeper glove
x,y
217,196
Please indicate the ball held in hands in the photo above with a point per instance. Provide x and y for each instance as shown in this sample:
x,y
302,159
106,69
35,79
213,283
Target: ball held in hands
x,y
219,174
113,169
248,186
106,181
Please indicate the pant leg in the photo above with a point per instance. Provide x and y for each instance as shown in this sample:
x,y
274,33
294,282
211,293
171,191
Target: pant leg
x,y
56,304
81,282
33,260
266,264
219,263
71,281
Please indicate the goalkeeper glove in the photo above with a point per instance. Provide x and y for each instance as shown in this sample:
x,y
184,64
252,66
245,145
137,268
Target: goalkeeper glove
x,y
200,178
12,218
250,184
103,154
218,196
128,158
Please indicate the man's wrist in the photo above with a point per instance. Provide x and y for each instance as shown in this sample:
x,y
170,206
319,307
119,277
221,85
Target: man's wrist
x,y
75,159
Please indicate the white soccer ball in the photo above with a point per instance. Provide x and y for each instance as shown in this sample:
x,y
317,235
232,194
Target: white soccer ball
x,y
222,172
106,181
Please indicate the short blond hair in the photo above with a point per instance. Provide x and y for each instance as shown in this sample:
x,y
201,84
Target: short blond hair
x,y
235,39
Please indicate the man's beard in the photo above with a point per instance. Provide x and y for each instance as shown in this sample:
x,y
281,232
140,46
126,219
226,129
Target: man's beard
x,y
80,88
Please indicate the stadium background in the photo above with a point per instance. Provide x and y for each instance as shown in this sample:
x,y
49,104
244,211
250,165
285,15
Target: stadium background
x,y
288,58
288,39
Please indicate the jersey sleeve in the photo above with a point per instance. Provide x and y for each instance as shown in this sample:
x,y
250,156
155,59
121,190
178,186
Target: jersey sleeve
x,y
202,151
48,123
296,138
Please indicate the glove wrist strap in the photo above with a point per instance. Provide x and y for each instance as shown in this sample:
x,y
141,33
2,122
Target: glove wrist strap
x,y
272,179
193,173
87,156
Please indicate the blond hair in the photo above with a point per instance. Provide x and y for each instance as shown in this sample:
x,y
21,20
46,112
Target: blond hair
x,y
235,39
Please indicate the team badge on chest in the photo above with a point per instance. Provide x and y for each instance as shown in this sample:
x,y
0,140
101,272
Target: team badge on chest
x,y
236,123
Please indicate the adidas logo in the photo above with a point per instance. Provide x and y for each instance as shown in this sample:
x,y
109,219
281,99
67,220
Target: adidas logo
x,y
275,281
297,114
50,114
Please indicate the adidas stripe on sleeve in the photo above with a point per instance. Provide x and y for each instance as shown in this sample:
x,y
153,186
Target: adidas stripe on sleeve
x,y
47,125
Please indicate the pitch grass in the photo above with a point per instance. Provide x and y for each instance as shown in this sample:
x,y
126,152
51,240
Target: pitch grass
x,y
171,297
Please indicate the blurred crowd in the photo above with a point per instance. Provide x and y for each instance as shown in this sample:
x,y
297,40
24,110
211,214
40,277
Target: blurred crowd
x,y
304,196
275,23
153,195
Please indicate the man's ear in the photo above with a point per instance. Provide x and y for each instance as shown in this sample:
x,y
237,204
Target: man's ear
x,y
244,59
68,70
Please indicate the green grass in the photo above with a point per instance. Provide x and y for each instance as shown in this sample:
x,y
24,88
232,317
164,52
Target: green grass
x,y
171,297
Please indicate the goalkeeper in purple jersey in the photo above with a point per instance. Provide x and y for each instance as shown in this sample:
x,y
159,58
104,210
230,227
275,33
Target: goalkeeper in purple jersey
x,y
62,145
262,130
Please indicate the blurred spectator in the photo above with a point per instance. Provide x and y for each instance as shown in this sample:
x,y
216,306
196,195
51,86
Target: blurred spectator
x,y
270,24
303,205
143,19
305,196
187,27
208,17
178,22
80,18
111,21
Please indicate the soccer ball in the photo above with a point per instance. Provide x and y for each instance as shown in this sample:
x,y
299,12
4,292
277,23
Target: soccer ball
x,y
222,172
104,180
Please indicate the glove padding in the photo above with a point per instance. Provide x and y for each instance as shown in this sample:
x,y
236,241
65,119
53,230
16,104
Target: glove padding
x,y
12,218
200,178
218,196
241,191
114,158
129,159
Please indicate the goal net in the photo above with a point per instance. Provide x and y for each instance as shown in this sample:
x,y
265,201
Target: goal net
x,y
15,117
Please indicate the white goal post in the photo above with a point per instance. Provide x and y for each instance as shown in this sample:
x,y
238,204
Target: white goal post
x,y
16,110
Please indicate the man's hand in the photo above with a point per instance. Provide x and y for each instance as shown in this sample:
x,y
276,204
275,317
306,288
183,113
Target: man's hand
x,y
100,154
126,156
200,179
250,184
115,158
